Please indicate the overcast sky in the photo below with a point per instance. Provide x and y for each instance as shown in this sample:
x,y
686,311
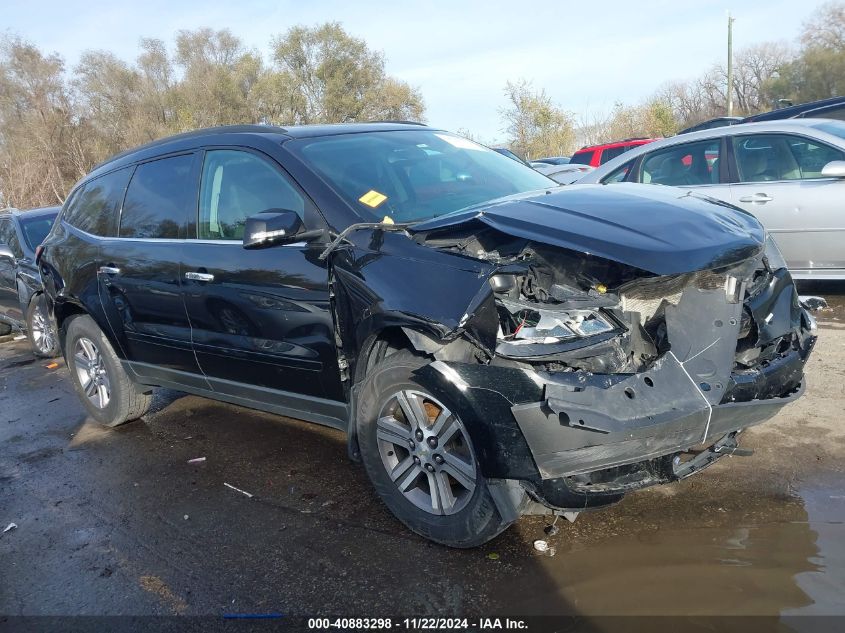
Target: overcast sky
x,y
587,55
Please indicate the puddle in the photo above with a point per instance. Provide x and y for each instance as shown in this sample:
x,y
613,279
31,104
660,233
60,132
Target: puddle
x,y
783,557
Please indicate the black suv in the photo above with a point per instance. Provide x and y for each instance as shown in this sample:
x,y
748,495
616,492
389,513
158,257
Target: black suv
x,y
493,345
22,305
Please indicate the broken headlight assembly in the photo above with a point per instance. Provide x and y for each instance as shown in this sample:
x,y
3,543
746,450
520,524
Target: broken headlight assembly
x,y
529,324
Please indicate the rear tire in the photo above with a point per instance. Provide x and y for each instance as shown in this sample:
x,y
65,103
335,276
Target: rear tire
x,y
107,392
5,329
39,330
402,451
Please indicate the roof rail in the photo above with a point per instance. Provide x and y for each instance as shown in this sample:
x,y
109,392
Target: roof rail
x,y
397,121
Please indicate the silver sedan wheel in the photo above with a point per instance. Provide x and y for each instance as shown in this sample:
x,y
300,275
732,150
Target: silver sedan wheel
x,y
91,372
42,332
427,452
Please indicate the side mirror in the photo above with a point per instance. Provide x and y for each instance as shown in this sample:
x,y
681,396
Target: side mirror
x,y
834,169
271,227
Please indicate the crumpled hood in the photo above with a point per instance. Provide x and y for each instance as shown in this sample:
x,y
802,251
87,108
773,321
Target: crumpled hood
x,y
657,229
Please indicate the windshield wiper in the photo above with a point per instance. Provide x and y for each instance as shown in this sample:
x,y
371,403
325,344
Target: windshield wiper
x,y
341,237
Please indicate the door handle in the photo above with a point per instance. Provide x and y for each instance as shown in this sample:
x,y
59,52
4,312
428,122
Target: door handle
x,y
108,270
757,198
199,276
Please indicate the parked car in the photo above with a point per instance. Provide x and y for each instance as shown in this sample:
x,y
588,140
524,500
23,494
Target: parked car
x,y
553,160
790,174
22,304
720,121
832,108
492,345
563,174
596,155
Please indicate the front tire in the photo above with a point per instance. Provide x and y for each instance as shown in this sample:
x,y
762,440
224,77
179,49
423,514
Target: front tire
x,y
420,459
39,330
107,392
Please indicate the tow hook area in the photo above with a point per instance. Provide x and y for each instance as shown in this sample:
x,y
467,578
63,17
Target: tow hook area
x,y
682,469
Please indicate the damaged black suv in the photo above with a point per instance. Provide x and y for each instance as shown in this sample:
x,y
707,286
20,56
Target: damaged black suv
x,y
492,344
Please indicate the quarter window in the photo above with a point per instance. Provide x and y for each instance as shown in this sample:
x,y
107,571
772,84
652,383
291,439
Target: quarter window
x,y
619,174
95,206
236,185
687,165
158,199
771,157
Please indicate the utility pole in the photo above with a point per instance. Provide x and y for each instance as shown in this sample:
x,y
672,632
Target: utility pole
x,y
730,94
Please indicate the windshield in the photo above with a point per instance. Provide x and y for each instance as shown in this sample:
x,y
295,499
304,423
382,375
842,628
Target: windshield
x,y
407,176
35,229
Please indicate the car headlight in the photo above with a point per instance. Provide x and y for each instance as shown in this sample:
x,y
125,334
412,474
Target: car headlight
x,y
525,323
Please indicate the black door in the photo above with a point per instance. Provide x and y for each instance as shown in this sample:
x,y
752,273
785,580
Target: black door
x,y
260,319
140,276
10,252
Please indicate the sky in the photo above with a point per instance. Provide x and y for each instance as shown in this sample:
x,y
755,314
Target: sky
x,y
586,55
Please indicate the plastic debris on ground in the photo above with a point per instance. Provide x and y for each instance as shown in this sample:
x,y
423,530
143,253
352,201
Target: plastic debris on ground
x,y
10,527
813,303
19,337
544,548
243,492
196,460
493,556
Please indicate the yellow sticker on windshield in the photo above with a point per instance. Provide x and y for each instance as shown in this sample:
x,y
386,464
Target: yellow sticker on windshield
x,y
372,198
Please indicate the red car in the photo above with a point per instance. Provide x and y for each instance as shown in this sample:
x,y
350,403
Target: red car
x,y
596,155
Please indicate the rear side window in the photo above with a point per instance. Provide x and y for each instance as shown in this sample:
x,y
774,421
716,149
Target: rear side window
x,y
95,206
610,153
36,229
158,199
685,165
582,158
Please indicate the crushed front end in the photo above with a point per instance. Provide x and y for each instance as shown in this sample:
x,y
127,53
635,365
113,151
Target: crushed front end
x,y
606,378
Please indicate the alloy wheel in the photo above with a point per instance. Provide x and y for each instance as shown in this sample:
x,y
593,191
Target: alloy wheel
x,y
42,332
426,451
91,372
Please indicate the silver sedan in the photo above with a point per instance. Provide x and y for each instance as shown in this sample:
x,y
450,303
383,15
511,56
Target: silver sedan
x,y
790,174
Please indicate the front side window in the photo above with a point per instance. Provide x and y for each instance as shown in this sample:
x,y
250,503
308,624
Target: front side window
x,y
413,175
95,206
158,199
686,165
35,229
236,185
9,238
776,157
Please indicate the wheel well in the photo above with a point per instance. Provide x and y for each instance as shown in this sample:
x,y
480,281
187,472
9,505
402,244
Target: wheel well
x,y
378,347
64,313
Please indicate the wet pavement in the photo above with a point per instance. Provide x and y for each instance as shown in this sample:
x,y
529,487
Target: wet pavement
x,y
118,522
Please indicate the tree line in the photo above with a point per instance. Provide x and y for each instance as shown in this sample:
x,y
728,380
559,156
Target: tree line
x,y
765,75
56,123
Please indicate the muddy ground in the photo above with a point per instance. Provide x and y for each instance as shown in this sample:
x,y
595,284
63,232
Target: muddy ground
x,y
117,521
